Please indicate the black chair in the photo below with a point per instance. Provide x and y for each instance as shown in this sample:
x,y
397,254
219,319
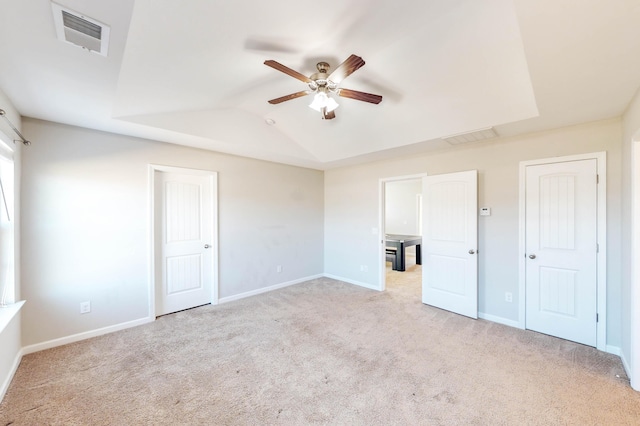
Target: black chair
x,y
392,256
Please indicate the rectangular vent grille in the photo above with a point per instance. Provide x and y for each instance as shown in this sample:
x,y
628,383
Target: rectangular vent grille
x,y
475,136
81,25
80,30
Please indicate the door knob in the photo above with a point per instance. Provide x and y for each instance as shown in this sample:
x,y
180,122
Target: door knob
x,y
207,246
472,251
532,256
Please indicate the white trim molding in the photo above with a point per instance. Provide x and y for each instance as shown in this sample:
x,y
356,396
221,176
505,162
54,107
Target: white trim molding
x,y
632,365
601,258
354,282
83,336
499,320
267,289
614,350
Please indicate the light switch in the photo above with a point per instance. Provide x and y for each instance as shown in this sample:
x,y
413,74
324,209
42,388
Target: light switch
x,y
485,211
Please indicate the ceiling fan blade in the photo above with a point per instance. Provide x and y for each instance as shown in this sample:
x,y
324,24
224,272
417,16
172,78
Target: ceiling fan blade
x,y
329,115
360,96
295,74
345,69
289,97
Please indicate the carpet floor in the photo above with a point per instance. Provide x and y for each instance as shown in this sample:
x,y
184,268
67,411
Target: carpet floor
x,y
322,352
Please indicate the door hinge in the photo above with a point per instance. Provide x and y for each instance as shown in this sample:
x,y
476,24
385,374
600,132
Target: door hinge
x,y
597,317
597,179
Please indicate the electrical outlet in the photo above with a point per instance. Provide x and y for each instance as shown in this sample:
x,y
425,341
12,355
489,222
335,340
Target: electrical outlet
x,y
279,268
508,297
85,307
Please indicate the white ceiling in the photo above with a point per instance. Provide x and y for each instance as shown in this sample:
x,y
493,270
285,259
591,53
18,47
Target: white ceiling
x,y
192,72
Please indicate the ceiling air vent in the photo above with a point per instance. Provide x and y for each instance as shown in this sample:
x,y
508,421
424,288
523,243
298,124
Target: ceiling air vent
x,y
80,30
475,136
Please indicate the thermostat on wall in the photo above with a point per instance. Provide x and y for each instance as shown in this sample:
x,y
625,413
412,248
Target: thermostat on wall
x,y
485,211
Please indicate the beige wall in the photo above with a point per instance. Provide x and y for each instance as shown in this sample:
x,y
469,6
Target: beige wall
x,y
86,221
352,210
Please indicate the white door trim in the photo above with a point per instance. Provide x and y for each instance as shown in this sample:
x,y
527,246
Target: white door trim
x,y
152,240
382,265
601,158
633,364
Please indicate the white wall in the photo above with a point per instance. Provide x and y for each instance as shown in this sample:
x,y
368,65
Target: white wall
x,y
401,212
630,347
10,353
86,225
10,341
351,209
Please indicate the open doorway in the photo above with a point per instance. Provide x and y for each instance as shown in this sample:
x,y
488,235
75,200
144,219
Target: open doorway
x,y
449,240
401,229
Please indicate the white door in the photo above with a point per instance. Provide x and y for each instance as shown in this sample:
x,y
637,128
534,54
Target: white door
x,y
561,249
449,242
186,249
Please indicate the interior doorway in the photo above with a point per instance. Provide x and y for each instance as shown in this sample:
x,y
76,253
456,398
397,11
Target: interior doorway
x,y
563,252
184,249
401,215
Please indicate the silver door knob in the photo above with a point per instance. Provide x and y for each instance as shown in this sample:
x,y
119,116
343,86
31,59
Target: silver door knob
x,y
207,246
472,251
532,256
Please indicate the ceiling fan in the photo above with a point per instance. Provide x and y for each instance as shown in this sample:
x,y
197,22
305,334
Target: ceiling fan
x,y
323,84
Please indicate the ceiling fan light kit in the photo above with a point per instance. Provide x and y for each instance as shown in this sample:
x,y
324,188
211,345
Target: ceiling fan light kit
x,y
322,84
322,100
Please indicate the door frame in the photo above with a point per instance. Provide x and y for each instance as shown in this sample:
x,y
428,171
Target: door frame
x,y
155,245
382,264
601,256
632,365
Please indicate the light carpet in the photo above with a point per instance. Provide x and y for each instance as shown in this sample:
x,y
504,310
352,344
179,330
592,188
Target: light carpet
x,y
322,352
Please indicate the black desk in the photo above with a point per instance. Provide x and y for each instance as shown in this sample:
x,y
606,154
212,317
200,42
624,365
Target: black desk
x,y
400,242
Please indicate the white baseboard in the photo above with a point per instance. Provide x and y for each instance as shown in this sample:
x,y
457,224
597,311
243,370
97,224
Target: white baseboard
x,y
347,280
627,369
614,350
625,364
609,348
12,372
85,335
266,289
110,329
499,320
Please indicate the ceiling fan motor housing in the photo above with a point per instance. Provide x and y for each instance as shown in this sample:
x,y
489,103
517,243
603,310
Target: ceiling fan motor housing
x,y
321,78
323,67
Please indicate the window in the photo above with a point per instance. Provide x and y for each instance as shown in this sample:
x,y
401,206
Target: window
x,y
7,225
